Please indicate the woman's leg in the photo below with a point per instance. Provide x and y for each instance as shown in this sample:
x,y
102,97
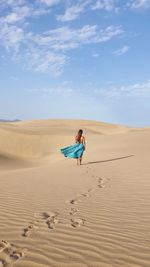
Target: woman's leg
x,y
80,160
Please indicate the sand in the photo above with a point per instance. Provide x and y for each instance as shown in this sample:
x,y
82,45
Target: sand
x,y
56,214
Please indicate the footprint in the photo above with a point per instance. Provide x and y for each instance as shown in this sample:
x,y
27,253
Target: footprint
x,y
100,185
51,219
91,190
4,244
85,195
77,222
73,211
30,228
9,254
100,182
3,263
73,201
100,179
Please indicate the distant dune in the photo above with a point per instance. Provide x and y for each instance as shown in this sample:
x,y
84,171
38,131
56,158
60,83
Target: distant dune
x,y
9,120
56,214
40,138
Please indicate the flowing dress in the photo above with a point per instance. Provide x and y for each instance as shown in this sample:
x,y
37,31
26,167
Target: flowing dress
x,y
75,151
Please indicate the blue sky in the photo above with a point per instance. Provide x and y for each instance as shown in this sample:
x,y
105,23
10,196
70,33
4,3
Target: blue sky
x,y
75,59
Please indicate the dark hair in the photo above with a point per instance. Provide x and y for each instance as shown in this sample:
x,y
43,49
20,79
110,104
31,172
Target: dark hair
x,y
78,137
80,132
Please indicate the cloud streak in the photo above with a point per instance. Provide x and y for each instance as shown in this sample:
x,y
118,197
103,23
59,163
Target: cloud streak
x,y
107,5
138,4
123,50
66,38
61,90
133,90
50,3
47,51
72,12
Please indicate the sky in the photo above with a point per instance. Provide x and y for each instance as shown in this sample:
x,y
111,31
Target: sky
x,y
80,59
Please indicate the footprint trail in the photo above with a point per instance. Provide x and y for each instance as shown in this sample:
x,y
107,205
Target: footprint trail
x,y
10,254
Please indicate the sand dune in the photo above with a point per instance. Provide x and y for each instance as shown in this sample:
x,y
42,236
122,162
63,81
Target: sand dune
x,y
39,138
55,214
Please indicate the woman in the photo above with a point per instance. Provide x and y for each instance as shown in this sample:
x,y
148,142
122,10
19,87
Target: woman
x,y
75,151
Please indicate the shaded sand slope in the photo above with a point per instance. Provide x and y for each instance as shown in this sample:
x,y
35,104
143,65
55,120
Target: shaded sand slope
x,y
54,213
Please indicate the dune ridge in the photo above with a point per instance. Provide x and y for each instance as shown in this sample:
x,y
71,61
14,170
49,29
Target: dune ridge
x,y
55,214
38,138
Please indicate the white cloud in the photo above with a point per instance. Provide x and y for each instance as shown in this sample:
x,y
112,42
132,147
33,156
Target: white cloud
x,y
11,18
20,10
61,40
12,2
18,14
43,60
109,33
54,91
72,12
136,4
46,51
11,36
96,55
107,5
134,90
116,5
49,2
123,50
65,38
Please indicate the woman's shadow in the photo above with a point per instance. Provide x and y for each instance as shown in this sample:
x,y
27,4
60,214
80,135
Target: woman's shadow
x,y
101,161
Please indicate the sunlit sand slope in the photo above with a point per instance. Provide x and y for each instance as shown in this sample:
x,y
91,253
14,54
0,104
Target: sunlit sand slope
x,y
55,214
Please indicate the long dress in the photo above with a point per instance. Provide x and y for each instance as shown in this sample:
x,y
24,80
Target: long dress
x,y
75,151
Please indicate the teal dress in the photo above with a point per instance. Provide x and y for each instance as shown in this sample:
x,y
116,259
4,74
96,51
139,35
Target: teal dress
x,y
75,151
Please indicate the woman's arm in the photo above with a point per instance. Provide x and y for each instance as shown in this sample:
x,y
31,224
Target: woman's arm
x,y
84,143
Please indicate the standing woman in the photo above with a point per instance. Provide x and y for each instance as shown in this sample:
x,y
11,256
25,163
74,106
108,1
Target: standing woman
x,y
76,151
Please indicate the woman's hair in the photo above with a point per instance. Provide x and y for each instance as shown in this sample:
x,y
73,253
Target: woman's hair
x,y
80,132
78,137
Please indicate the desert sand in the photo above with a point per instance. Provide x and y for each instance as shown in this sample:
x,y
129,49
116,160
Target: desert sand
x,y
56,214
